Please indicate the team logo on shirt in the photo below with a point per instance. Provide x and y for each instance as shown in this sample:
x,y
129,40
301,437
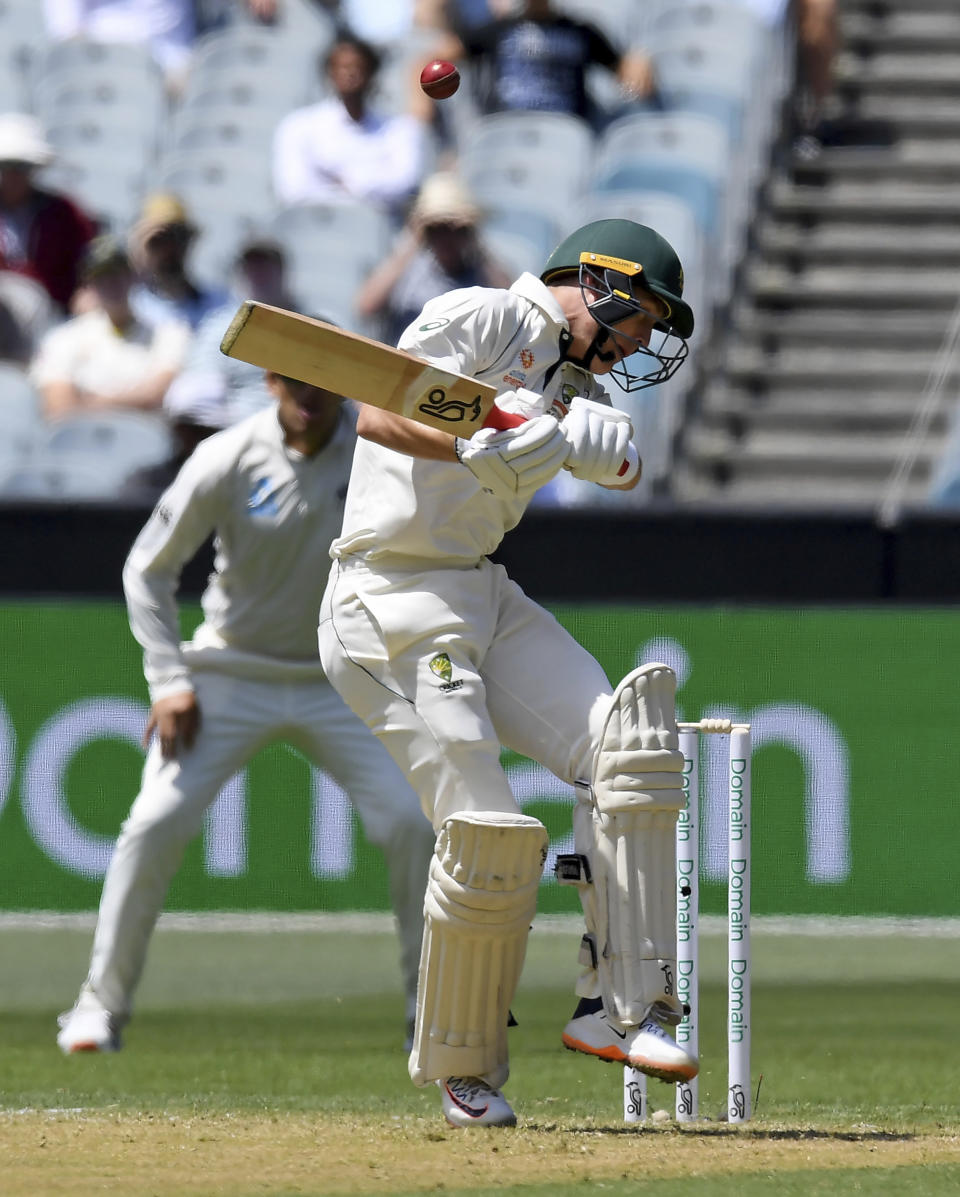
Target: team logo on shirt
x,y
560,406
526,358
262,499
516,379
441,667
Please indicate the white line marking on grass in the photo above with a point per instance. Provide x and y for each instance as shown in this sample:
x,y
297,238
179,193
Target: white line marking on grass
x,y
380,922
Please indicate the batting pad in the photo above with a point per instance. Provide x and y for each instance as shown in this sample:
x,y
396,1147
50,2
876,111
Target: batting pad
x,y
625,825
480,900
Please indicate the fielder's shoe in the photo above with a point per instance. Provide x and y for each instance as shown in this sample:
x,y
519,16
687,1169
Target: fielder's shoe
x,y
648,1047
88,1028
468,1101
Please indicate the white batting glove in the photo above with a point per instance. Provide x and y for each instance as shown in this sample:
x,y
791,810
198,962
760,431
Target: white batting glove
x,y
599,439
518,461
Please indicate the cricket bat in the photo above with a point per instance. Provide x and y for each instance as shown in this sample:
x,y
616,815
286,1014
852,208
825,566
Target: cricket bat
x,y
362,369
359,368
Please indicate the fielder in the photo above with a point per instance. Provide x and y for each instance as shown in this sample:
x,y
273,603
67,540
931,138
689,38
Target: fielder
x,y
446,659
272,490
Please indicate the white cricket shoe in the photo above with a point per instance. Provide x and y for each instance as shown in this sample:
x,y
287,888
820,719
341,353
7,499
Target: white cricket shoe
x,y
648,1047
469,1101
88,1027
654,1051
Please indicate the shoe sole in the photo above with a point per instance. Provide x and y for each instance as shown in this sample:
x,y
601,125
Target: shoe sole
x,y
87,1045
609,1055
673,1076
482,1125
612,1055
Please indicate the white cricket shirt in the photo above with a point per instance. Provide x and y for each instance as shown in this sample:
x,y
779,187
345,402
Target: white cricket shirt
x,y
274,512
406,510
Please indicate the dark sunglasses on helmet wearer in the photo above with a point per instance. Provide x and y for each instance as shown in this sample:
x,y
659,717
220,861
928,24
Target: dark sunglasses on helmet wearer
x,y
609,287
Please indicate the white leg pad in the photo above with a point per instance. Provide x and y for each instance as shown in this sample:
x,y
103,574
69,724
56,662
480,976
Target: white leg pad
x,y
480,901
625,826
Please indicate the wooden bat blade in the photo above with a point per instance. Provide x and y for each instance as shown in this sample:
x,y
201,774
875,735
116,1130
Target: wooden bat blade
x,y
359,368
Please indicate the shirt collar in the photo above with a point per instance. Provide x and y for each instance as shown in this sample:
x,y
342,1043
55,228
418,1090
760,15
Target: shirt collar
x,y
530,287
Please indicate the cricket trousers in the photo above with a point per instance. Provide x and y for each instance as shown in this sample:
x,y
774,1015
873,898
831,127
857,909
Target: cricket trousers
x,y
239,717
447,665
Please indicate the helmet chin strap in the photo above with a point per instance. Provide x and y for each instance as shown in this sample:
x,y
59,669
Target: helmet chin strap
x,y
594,349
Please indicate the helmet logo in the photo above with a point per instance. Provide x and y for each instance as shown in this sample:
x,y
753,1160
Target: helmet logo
x,y
624,265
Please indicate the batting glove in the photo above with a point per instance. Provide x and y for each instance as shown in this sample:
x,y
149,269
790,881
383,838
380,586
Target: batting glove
x,y
599,440
515,463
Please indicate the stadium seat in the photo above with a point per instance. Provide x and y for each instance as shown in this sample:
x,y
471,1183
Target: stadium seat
x,y
225,180
735,26
618,19
86,137
514,252
684,154
331,249
19,412
23,31
242,50
110,94
28,301
539,136
511,180
111,191
541,233
57,480
118,442
340,232
105,59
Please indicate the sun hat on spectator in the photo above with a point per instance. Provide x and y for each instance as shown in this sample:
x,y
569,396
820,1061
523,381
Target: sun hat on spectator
x,y
22,140
104,255
444,199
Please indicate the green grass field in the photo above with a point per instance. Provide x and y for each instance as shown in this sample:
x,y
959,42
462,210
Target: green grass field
x,y
271,1063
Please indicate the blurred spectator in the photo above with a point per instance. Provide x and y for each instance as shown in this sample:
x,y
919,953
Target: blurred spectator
x,y
438,250
14,344
538,60
339,149
191,421
26,313
816,37
168,27
107,357
223,388
159,245
42,235
390,22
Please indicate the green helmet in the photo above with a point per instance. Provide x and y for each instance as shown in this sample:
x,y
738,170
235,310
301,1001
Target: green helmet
x,y
634,250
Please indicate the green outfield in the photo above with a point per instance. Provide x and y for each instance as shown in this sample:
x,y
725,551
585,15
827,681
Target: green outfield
x,y
270,1062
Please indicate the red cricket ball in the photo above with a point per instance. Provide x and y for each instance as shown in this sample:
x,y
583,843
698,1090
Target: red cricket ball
x,y
439,79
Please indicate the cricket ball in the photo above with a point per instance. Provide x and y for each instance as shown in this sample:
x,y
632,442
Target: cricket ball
x,y
439,79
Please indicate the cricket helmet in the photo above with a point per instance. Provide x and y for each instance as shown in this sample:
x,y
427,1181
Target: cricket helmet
x,y
616,260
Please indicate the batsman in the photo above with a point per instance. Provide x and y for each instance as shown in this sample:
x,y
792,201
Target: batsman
x,y
446,659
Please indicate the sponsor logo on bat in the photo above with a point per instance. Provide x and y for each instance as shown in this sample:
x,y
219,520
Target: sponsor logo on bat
x,y
438,406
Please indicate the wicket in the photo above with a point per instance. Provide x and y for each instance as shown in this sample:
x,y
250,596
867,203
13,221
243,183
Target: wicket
x,y
688,914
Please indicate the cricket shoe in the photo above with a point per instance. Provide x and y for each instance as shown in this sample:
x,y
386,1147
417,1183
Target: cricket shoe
x,y
88,1028
469,1101
648,1047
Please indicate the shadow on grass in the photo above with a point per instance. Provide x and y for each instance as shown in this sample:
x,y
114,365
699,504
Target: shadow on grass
x,y
789,1134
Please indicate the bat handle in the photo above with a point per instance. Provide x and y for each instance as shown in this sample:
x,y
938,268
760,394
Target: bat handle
x,y
631,465
501,420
